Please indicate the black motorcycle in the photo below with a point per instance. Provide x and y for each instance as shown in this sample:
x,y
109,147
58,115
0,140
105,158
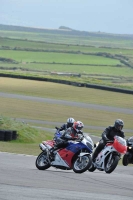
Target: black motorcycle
x,y
128,157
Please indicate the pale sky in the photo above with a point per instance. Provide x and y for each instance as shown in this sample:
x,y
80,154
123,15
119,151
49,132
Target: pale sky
x,y
110,16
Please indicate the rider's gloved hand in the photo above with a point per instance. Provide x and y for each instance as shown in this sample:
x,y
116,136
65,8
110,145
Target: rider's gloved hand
x,y
57,128
73,138
80,136
80,132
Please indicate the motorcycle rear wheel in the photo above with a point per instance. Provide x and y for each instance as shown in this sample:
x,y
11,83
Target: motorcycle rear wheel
x,y
125,160
83,165
42,162
111,167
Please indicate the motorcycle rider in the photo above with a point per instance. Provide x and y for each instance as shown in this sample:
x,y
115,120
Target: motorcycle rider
x,y
70,133
108,135
69,123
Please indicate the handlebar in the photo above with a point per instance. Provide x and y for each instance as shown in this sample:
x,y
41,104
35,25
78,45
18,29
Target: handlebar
x,y
109,141
56,128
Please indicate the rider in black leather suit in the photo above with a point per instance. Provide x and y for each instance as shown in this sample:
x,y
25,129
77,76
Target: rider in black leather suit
x,y
108,135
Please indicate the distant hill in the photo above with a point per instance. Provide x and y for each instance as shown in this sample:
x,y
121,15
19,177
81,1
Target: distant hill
x,y
64,31
65,28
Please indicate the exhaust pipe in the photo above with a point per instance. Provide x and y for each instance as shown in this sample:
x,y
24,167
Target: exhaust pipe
x,y
42,147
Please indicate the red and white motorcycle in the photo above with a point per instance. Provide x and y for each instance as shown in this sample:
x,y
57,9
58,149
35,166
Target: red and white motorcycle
x,y
107,160
76,155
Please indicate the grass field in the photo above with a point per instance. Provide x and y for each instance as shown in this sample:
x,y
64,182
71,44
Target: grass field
x,y
18,108
12,43
58,113
20,148
65,37
88,71
46,111
48,57
65,92
109,62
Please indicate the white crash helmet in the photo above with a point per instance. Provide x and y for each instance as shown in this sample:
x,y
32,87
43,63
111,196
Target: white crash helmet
x,y
70,121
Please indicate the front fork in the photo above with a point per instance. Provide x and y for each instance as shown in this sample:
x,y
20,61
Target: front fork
x,y
110,157
82,154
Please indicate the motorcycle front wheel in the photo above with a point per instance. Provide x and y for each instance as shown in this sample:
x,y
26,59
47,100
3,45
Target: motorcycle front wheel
x,y
92,168
81,164
112,164
125,160
42,161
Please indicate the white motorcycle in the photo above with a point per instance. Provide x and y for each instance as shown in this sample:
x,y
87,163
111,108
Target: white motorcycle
x,y
107,160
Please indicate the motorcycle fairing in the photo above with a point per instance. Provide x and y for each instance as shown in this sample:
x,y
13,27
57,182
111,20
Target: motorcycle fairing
x,y
100,159
67,156
77,146
64,156
68,153
49,143
59,161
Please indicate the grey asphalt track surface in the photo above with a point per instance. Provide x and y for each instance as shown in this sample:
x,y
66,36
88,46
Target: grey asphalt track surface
x,y
20,179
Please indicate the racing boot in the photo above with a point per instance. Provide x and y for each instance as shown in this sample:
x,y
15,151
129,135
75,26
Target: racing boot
x,y
52,153
98,149
94,156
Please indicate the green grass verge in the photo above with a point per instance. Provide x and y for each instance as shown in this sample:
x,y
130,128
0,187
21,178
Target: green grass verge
x,y
26,133
28,138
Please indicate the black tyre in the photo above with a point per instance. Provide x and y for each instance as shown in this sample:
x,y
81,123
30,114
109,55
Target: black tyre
x,y
125,160
14,135
81,165
92,168
110,166
42,161
2,135
8,135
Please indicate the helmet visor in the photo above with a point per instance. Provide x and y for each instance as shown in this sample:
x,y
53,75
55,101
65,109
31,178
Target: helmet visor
x,y
69,124
119,127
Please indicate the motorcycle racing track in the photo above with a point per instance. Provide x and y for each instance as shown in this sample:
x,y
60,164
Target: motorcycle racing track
x,y
67,103
20,179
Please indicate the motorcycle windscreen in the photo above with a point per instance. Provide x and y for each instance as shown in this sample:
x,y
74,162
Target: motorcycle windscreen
x,y
130,141
120,145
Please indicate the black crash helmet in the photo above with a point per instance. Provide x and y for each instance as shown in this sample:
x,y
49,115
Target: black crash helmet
x,y
119,124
